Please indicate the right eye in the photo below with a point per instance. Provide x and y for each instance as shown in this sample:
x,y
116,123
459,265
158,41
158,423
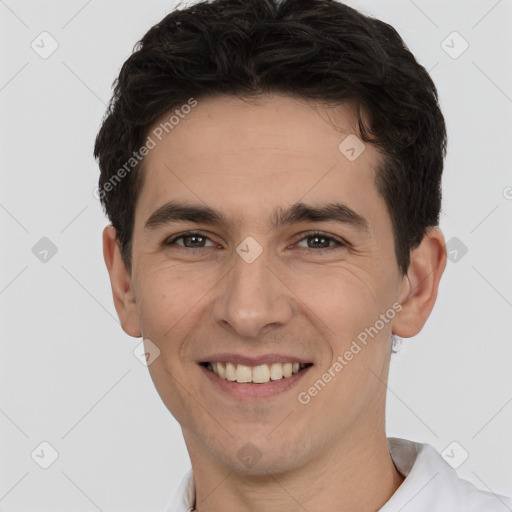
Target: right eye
x,y
190,240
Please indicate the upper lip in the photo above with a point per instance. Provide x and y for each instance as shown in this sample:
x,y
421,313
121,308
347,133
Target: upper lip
x,y
253,360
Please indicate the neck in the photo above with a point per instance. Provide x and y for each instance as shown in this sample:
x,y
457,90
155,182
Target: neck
x,y
357,475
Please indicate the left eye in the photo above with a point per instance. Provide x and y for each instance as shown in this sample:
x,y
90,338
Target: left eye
x,y
195,240
320,241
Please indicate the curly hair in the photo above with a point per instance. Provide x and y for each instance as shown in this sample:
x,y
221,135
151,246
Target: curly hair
x,y
320,50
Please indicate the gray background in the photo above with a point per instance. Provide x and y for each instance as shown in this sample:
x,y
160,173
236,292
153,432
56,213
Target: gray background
x,y
68,374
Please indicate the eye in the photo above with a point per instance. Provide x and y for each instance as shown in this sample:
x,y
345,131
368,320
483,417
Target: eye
x,y
190,240
321,240
314,241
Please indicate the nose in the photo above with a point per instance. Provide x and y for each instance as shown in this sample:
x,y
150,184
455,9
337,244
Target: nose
x,y
253,298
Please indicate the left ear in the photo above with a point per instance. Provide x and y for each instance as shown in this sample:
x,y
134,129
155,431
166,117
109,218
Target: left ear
x,y
419,290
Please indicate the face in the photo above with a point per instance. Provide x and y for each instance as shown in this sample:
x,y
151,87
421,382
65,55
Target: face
x,y
284,255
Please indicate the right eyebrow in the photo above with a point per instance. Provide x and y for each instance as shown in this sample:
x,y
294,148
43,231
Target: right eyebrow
x,y
178,212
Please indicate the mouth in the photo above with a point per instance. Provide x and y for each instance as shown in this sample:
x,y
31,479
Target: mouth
x,y
260,374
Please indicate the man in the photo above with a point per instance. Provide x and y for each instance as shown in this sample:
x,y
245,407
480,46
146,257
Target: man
x,y
272,171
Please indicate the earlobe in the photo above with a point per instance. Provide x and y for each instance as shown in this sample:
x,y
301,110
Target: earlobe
x,y
121,283
420,286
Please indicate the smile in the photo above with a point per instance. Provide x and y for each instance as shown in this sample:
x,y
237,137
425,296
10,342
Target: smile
x,y
260,374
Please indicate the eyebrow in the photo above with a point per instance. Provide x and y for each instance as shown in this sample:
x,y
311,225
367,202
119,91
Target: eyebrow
x,y
298,212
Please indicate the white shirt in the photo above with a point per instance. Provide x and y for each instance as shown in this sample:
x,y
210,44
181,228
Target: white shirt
x,y
430,485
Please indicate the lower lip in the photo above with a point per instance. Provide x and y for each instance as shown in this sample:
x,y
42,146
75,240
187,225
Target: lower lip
x,y
249,391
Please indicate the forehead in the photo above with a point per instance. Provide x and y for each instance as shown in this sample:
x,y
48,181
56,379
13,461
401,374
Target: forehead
x,y
248,156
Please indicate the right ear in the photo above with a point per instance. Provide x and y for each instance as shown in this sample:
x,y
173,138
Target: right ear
x,y
121,282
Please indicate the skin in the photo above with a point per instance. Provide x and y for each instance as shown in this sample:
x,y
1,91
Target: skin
x,y
246,160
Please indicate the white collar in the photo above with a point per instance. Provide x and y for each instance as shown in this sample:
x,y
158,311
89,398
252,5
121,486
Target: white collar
x,y
431,485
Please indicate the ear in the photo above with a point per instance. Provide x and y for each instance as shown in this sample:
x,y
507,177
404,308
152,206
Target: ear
x,y
120,280
419,287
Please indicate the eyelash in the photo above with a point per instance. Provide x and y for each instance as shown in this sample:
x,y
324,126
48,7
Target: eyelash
x,y
339,244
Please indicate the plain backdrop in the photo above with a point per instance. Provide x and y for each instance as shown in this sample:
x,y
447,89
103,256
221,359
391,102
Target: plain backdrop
x,y
68,375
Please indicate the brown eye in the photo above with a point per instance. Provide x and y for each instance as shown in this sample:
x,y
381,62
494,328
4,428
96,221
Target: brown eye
x,y
191,240
318,240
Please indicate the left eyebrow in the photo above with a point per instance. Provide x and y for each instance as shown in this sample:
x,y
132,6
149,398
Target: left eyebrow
x,y
298,212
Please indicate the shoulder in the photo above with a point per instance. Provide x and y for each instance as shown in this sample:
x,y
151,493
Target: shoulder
x,y
431,484
471,499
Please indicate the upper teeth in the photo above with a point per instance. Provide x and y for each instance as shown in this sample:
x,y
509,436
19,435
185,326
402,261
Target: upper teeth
x,y
257,374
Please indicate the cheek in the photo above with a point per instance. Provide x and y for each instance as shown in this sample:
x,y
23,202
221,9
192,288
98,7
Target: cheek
x,y
343,298
347,304
170,307
167,299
